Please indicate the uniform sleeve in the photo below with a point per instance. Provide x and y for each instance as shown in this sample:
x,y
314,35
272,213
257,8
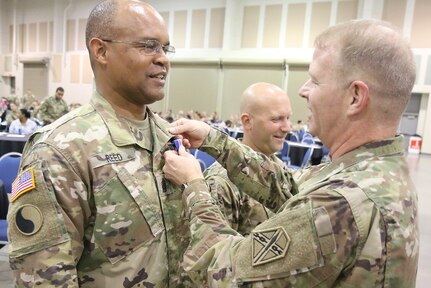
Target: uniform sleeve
x,y
43,112
253,173
10,117
226,196
307,244
46,221
66,108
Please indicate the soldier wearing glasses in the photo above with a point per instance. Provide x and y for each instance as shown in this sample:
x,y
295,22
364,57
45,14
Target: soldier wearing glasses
x,y
91,207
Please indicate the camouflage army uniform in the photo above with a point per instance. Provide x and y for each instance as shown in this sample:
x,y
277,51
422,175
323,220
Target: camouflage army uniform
x,y
27,100
51,109
242,212
353,223
102,213
11,116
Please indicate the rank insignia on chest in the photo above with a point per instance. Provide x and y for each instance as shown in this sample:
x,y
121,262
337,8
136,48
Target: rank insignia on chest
x,y
22,184
269,245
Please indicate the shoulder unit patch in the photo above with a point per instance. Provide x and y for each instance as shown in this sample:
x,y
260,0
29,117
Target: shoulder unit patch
x,y
269,245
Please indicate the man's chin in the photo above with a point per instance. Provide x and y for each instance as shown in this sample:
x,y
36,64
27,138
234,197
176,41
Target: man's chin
x,y
277,148
156,98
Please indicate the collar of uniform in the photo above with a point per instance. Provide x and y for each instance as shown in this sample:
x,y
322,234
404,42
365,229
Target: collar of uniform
x,y
390,146
380,148
159,128
56,100
119,128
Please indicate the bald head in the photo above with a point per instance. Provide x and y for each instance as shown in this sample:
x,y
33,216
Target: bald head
x,y
260,96
265,115
104,21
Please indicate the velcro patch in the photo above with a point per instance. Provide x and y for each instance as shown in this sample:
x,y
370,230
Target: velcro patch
x,y
23,184
28,219
269,245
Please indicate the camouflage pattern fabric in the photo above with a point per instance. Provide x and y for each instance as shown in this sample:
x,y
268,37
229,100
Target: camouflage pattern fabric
x,y
102,214
27,100
242,212
352,224
51,109
10,117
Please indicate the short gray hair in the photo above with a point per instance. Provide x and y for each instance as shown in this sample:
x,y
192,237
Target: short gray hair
x,y
376,51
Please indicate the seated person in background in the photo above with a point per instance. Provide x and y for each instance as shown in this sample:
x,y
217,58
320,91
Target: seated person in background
x,y
3,105
27,99
265,115
300,126
354,222
215,119
23,125
11,113
53,107
228,123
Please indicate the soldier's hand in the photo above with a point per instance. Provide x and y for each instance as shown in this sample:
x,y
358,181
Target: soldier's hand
x,y
181,167
193,132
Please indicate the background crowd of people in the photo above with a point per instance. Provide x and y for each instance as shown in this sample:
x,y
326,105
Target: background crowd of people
x,y
25,115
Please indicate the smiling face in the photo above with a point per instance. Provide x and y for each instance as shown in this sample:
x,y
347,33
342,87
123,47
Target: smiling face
x,y
266,118
325,97
135,76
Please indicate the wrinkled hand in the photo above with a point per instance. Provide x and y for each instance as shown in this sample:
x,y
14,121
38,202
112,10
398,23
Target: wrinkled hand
x,y
181,167
192,132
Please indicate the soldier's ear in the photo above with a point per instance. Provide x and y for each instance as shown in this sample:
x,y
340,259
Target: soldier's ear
x,y
98,50
359,97
246,121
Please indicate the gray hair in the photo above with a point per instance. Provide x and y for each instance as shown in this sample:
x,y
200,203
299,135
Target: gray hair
x,y
375,51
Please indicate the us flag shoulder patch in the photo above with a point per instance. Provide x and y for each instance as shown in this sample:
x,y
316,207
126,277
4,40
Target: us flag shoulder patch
x,y
22,184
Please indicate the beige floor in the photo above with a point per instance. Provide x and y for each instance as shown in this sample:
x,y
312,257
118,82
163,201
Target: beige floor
x,y
420,169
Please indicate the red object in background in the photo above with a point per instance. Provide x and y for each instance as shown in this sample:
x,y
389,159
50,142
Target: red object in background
x,y
415,144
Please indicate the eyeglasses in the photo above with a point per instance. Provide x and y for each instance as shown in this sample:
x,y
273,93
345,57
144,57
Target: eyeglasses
x,y
149,47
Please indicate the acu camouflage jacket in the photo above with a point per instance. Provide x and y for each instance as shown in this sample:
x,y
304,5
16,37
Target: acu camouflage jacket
x,y
352,224
241,211
101,213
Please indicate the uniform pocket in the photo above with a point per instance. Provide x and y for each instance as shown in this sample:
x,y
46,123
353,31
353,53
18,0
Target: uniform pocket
x,y
127,218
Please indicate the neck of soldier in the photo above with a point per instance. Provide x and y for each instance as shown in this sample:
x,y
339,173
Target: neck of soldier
x,y
122,105
359,136
246,140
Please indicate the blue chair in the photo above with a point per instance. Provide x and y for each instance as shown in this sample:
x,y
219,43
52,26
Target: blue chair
x,y
9,164
325,150
307,140
239,135
301,133
284,155
3,232
4,205
325,155
205,160
293,137
305,160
